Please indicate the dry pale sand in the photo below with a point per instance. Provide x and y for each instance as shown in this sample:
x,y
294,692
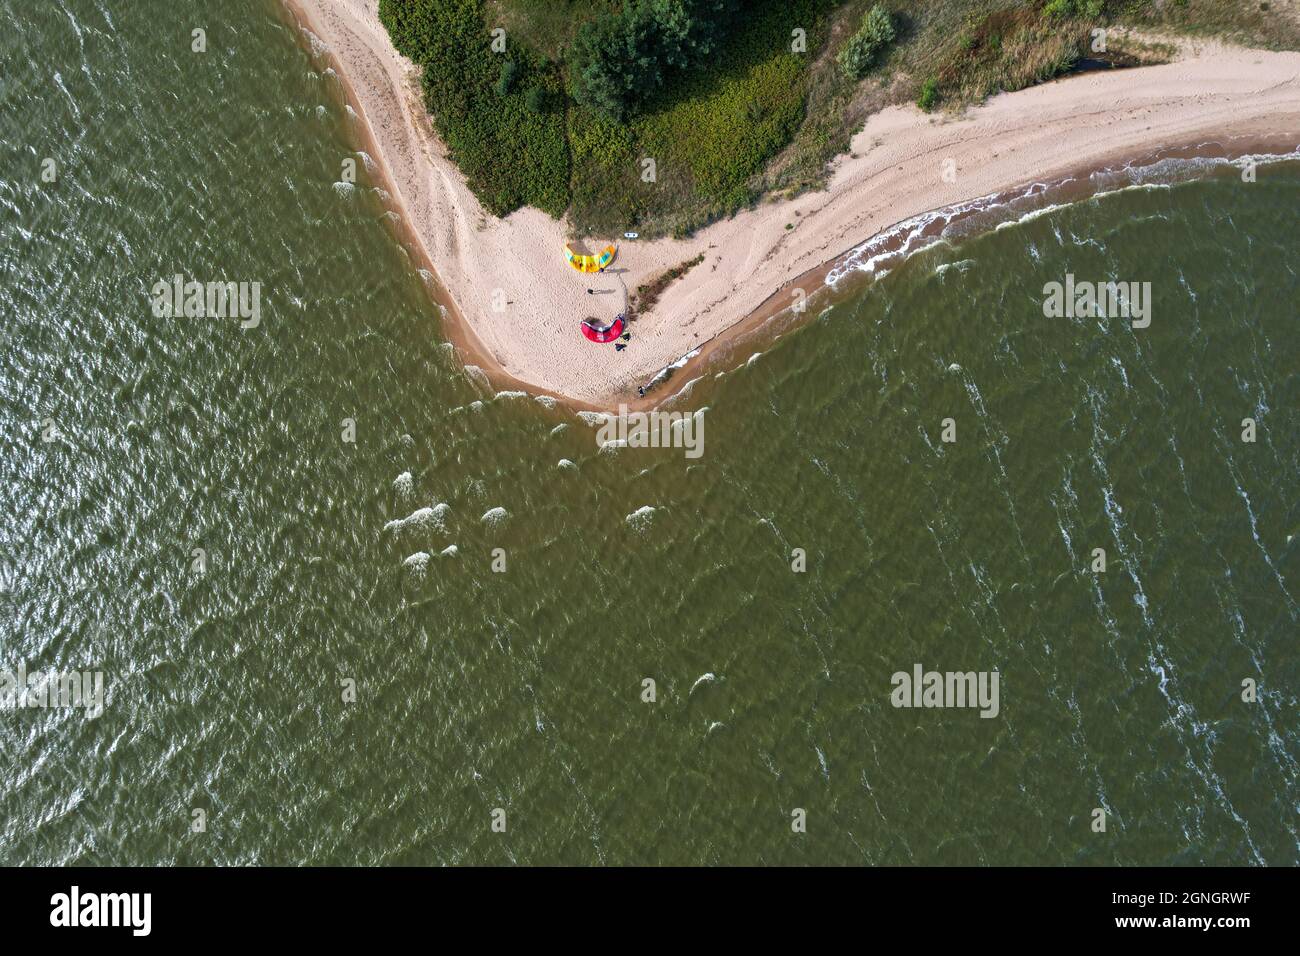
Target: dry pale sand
x,y
894,172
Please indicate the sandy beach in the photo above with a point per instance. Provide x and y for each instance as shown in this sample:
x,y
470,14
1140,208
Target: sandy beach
x,y
513,304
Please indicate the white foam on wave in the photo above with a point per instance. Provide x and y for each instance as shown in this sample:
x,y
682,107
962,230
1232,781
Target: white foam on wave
x,y
495,517
1163,173
612,446
960,265
511,394
58,80
404,484
346,190
708,678
692,419
903,239
559,428
641,518
595,419
432,519
450,551
920,232
545,400
318,46
417,564
668,370
1030,217
478,378
685,391
566,464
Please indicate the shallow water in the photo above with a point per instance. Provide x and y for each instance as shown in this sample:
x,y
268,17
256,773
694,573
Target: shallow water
x,y
327,561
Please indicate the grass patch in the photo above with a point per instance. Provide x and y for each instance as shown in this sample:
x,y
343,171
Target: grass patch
x,y
1010,49
1255,23
545,26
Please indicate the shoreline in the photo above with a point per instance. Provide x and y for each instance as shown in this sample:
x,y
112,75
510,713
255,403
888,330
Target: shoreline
x,y
435,208
457,331
1079,186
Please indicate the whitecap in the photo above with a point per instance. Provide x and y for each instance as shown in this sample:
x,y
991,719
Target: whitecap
x,y
668,370
961,266
595,418
479,378
404,484
434,519
708,678
641,518
494,517
417,564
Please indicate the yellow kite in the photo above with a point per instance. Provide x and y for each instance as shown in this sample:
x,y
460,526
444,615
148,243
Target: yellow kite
x,y
590,263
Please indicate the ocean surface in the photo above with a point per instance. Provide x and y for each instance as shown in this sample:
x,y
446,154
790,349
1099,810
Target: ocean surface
x,y
306,652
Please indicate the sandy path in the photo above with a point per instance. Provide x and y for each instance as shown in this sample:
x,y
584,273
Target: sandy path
x,y
895,171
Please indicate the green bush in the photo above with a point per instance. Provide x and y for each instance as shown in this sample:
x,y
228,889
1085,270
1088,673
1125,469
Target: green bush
x,y
929,95
862,49
1083,9
511,155
506,81
620,62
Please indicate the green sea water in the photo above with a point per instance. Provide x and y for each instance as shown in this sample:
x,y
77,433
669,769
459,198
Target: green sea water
x,y
182,512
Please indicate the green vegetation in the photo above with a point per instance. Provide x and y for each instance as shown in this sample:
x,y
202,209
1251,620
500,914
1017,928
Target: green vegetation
x,y
1086,9
868,43
662,115
618,63
512,156
929,95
